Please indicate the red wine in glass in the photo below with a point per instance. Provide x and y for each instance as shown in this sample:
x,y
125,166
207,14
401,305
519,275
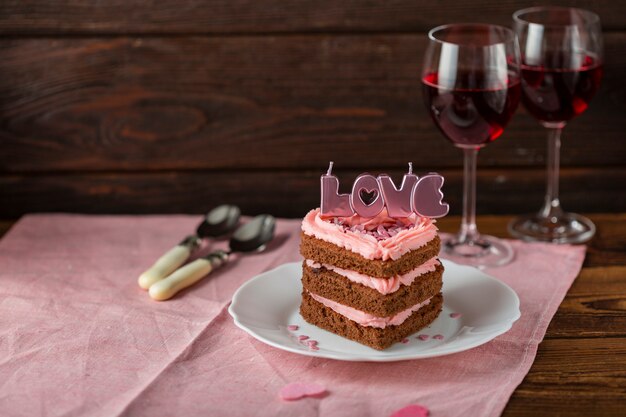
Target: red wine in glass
x,y
470,117
557,93
471,88
561,70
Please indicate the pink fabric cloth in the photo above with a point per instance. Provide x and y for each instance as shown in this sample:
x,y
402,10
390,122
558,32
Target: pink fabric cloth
x,y
78,336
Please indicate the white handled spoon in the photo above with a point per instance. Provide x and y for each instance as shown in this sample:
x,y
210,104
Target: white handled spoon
x,y
252,236
219,221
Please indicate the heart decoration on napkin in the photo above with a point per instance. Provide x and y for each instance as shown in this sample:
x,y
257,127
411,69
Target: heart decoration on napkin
x,y
297,390
413,410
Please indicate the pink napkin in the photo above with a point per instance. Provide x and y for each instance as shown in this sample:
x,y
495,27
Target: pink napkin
x,y
78,336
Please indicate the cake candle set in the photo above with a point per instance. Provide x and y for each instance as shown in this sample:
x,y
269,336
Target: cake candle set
x,y
370,195
371,271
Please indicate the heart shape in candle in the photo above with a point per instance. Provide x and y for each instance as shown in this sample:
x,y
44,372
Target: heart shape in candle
x,y
368,197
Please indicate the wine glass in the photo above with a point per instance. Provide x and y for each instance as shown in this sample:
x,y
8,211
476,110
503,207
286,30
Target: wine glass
x,y
471,88
560,73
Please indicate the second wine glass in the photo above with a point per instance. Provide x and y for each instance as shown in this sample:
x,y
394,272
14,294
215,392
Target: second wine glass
x,y
561,72
471,88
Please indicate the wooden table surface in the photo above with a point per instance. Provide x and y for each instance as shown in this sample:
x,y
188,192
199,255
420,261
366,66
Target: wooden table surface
x,y
580,369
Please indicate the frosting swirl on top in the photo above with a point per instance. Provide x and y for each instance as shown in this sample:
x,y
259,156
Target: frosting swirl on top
x,y
381,237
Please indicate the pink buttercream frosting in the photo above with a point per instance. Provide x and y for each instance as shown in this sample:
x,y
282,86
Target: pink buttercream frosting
x,y
366,319
382,285
380,237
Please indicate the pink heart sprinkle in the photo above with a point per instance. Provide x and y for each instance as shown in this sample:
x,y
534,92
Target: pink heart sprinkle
x,y
303,337
293,327
423,337
455,315
314,347
438,337
405,340
413,410
297,390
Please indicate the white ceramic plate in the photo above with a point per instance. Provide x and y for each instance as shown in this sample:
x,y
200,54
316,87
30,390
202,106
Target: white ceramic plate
x,y
268,303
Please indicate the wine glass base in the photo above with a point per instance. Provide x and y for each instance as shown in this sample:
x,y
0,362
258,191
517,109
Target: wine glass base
x,y
484,251
565,228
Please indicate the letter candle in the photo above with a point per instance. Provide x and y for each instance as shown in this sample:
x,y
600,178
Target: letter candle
x,y
427,196
366,184
333,203
399,202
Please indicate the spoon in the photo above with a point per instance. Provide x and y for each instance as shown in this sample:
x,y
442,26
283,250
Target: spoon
x,y
252,236
219,221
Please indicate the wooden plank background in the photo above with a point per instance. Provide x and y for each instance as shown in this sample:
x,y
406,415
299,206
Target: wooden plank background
x,y
144,106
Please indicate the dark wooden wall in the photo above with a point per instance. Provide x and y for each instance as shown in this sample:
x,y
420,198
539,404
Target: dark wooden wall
x,y
146,106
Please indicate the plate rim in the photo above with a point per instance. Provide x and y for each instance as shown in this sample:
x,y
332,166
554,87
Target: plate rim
x,y
487,337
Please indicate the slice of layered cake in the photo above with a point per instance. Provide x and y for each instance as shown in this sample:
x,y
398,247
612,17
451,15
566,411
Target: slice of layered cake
x,y
373,280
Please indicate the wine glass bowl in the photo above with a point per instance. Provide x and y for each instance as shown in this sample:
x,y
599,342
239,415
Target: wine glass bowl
x,y
471,88
556,95
561,69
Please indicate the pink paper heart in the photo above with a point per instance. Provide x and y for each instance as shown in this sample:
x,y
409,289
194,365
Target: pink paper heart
x,y
297,390
413,410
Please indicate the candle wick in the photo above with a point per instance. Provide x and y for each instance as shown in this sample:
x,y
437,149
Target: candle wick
x,y
410,167
330,168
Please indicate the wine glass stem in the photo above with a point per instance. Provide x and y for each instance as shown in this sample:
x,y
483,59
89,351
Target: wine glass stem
x,y
552,206
469,232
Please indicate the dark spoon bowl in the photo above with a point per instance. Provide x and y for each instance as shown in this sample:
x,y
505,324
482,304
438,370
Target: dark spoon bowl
x,y
219,221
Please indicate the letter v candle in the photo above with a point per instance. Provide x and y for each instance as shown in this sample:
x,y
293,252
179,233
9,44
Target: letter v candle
x,y
398,201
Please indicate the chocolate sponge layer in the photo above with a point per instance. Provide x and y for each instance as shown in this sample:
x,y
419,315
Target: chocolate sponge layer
x,y
321,316
327,253
333,286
